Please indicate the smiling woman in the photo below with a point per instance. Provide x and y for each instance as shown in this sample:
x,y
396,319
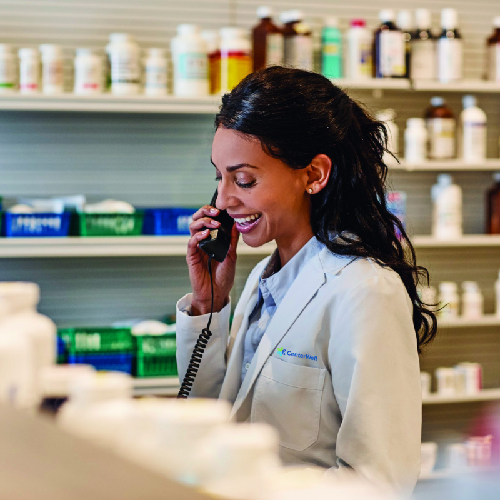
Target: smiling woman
x,y
299,162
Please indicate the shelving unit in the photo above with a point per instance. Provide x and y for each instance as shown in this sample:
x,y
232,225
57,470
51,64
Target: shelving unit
x,y
487,320
467,240
469,86
484,395
162,386
490,164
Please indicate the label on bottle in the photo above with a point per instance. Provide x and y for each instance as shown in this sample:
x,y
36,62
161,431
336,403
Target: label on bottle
x,y
392,54
192,66
28,75
448,214
234,67
449,59
494,62
53,73
156,76
87,76
331,59
274,49
474,141
363,63
124,68
299,52
441,138
214,72
423,60
7,74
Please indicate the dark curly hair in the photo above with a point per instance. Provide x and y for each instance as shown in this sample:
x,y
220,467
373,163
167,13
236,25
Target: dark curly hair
x,y
297,115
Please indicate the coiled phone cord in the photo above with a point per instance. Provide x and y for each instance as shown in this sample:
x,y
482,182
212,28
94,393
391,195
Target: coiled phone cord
x,y
199,348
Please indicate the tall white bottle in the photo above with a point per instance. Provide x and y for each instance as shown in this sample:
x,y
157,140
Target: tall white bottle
x,y
449,48
447,213
473,139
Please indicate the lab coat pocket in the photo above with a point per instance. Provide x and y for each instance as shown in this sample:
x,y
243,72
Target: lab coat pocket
x,y
288,397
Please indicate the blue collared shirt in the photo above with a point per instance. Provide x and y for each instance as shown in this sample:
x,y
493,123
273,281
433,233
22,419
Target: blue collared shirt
x,y
273,285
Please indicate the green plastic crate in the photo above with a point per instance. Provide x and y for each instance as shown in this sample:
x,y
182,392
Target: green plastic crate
x,y
110,224
94,340
156,356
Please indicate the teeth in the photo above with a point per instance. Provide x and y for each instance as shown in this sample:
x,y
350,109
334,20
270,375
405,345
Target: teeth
x,y
247,219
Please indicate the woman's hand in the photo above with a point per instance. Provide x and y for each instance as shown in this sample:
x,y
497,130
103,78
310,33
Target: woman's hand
x,y
197,260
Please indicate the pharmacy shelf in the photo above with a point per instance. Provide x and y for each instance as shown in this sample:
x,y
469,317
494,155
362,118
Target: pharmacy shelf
x,y
374,84
163,386
484,395
468,240
492,164
472,86
109,103
487,320
139,246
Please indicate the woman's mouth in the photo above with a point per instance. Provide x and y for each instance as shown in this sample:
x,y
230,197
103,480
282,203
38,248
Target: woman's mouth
x,y
246,224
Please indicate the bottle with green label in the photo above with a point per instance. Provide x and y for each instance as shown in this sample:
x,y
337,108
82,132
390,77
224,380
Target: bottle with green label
x,y
331,49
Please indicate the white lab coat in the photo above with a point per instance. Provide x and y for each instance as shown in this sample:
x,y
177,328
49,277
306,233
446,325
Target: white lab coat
x,y
346,388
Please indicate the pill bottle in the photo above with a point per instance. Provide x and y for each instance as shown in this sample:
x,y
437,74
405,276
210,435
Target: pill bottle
x,y
447,213
88,72
405,25
212,39
123,55
493,206
473,137
7,69
449,48
472,377
359,51
298,40
441,130
472,300
493,50
423,48
448,300
331,49
267,41
190,62
388,48
236,57
29,71
446,382
52,69
415,140
155,72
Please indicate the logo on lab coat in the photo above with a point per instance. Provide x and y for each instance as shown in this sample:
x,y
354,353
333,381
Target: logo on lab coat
x,y
282,351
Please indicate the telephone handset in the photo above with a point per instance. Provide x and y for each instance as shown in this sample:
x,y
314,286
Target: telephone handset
x,y
215,245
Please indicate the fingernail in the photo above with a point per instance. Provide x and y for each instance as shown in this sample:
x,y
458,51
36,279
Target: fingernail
x,y
213,210
216,222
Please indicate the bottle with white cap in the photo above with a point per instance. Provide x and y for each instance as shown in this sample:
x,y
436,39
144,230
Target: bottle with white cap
x,y
212,38
298,40
235,57
331,48
404,23
473,122
7,69
88,72
155,72
449,48
359,51
389,48
415,140
52,69
423,48
29,74
448,300
447,213
472,300
267,41
190,62
493,48
123,55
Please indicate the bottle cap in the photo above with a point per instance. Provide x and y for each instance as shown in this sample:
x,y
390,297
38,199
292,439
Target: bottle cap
x,y
468,101
496,22
331,22
50,50
285,16
188,29
358,23
19,294
233,33
121,38
415,123
404,20
83,52
423,19
28,52
295,15
470,286
445,179
449,19
437,101
155,52
5,48
264,12
448,287
212,38
386,15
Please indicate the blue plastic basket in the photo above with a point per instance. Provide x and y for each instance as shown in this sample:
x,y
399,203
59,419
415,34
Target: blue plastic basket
x,y
105,362
37,225
61,350
167,221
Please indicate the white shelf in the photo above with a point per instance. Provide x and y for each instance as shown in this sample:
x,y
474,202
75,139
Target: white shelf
x,y
374,84
163,386
462,86
468,240
109,103
484,395
134,246
488,320
492,164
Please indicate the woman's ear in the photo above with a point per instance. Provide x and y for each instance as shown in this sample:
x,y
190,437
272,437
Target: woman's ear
x,y
318,173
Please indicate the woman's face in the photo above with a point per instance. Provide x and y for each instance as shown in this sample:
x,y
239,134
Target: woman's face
x,y
267,199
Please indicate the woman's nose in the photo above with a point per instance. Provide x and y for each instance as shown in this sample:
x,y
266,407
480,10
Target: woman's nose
x,y
225,199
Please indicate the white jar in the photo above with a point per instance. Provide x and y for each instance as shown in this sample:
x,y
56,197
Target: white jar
x,y
415,140
473,121
359,51
472,300
155,72
123,54
448,298
447,213
52,69
423,48
88,72
471,376
190,61
29,72
446,382
7,69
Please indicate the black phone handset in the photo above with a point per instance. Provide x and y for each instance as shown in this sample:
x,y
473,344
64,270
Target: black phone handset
x,y
215,245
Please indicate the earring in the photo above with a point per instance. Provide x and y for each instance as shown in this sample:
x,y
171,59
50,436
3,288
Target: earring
x,y
310,190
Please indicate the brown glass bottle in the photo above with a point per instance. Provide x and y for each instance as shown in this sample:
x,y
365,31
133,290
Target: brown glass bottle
x,y
297,35
493,207
388,48
267,41
441,126
493,53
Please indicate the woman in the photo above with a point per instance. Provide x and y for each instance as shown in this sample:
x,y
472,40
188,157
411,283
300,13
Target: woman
x,y
326,335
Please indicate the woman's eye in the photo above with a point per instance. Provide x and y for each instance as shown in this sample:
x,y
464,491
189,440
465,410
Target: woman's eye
x,y
245,185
